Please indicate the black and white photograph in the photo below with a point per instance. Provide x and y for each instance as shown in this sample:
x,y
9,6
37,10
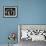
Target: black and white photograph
x,y
10,11
29,34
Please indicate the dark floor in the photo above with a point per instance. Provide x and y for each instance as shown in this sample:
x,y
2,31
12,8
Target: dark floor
x,y
32,43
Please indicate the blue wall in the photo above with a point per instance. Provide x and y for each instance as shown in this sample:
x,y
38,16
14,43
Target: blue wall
x,y
32,11
7,25
29,12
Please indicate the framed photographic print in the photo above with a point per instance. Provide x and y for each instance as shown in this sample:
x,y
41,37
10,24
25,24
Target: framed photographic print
x,y
33,32
10,11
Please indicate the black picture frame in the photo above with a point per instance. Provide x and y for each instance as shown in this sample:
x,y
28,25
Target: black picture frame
x,y
10,11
